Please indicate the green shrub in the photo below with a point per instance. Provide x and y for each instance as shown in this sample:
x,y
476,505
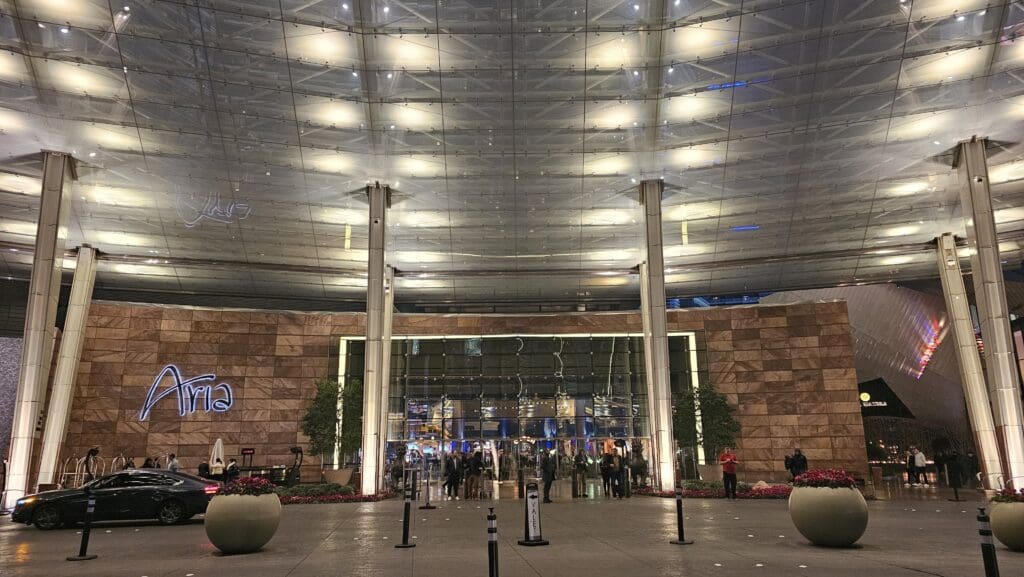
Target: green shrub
x,y
318,490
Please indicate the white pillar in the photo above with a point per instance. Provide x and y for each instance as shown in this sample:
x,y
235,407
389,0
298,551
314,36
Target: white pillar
x,y
971,376
371,470
385,363
41,315
652,303
67,364
990,296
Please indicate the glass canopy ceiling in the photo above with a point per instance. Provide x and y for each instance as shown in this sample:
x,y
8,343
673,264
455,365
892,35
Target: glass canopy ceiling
x,y
224,146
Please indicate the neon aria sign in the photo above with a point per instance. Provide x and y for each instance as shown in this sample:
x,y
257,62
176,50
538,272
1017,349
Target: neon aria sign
x,y
217,398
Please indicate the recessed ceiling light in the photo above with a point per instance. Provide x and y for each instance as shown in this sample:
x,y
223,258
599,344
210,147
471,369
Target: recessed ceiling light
x,y
354,73
92,154
636,7
41,25
344,6
127,8
937,143
390,75
64,30
960,18
386,9
983,12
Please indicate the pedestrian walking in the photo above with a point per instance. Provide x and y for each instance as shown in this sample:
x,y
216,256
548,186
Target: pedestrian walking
x,y
172,463
729,464
920,468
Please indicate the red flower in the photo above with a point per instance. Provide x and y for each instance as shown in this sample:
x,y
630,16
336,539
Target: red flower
x,y
1009,496
831,478
248,486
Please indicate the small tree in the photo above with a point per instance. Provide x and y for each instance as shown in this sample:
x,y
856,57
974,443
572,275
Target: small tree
x,y
320,423
719,427
351,418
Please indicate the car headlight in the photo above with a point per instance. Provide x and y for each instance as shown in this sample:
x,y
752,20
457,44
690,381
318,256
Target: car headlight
x,y
26,501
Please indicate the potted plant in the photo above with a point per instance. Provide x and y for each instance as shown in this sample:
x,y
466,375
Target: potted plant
x,y
1008,518
827,508
243,516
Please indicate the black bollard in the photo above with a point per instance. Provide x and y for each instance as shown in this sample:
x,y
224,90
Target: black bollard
x,y
519,482
90,507
492,543
575,484
532,536
679,518
988,548
427,505
409,489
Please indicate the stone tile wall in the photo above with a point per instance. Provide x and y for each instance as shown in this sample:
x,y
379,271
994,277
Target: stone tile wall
x,y
787,369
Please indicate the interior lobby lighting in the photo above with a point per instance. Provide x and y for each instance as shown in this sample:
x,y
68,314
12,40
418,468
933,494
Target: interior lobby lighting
x,y
744,228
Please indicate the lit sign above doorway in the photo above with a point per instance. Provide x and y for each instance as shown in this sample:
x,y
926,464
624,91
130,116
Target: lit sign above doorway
x,y
217,398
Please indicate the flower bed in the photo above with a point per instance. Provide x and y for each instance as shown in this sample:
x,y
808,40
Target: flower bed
x,y
316,499
829,478
771,492
1009,496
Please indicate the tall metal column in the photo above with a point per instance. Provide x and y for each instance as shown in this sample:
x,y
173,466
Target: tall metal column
x,y
375,356
971,375
385,364
990,295
67,364
652,303
40,317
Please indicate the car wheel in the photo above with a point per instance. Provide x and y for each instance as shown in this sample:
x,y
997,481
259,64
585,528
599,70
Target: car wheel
x,y
171,512
47,518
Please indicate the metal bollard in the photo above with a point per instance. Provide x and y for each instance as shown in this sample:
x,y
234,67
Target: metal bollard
x,y
90,508
532,536
679,518
520,482
409,489
427,505
988,549
492,543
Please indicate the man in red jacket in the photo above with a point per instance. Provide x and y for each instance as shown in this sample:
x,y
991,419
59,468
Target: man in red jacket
x,y
728,462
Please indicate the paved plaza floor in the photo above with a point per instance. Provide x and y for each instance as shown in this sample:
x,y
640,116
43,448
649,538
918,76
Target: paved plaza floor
x,y
589,538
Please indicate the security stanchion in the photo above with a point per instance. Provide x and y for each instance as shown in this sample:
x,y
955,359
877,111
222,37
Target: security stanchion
x,y
532,536
988,548
492,543
410,488
83,549
426,492
679,518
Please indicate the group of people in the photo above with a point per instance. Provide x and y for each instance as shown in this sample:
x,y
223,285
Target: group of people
x,y
459,468
217,471
917,465
613,475
796,464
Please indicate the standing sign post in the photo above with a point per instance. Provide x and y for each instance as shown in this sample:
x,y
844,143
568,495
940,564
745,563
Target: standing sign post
x,y
83,549
532,537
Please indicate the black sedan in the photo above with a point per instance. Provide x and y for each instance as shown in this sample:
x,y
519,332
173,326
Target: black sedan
x,y
133,494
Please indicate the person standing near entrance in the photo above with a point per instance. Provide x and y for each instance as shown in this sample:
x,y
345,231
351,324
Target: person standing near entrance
x,y
547,469
796,463
172,463
476,470
606,473
618,473
728,462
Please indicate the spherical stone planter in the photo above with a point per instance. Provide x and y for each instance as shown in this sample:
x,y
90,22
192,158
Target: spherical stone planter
x,y
1008,524
829,517
242,523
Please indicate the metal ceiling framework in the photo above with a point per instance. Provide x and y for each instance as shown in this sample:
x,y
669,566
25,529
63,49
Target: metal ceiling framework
x,y
224,145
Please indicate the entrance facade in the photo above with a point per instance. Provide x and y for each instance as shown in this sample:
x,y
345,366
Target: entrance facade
x,y
513,396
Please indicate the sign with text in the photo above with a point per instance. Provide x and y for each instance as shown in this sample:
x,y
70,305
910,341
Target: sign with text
x,y
192,394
